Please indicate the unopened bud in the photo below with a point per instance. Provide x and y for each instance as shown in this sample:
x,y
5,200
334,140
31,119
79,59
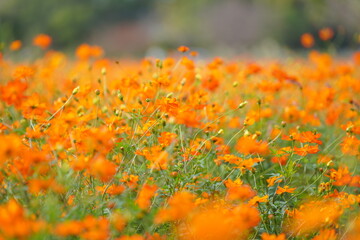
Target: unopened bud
x,y
183,81
76,90
247,133
243,104
349,129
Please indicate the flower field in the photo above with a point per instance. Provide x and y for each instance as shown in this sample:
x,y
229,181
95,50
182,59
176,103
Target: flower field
x,y
178,148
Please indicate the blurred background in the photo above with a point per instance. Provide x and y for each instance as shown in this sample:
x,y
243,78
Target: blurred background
x,y
140,27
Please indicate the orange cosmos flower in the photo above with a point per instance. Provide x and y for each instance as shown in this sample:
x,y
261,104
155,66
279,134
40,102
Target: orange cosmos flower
x,y
350,145
183,49
130,180
95,228
36,186
307,40
132,237
283,153
13,93
23,72
286,189
166,138
304,137
112,189
42,40
312,216
15,45
255,200
158,159
219,221
341,176
10,147
168,105
143,199
267,236
356,58
307,149
326,234
33,108
248,145
194,53
276,179
103,169
326,33
14,224
85,51
179,206
69,228
118,221
238,191
354,229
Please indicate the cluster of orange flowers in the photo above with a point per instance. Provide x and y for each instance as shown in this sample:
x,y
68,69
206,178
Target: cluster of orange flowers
x,y
179,148
325,34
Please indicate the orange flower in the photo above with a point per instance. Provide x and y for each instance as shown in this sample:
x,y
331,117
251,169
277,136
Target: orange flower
x,y
69,228
13,92
183,49
14,224
304,137
218,221
255,200
143,199
103,169
132,237
276,179
38,185
307,149
10,147
326,33
248,145
350,145
307,40
112,189
341,176
166,138
312,216
33,108
95,228
286,189
354,230
158,159
15,45
130,180
179,206
267,236
42,40
238,191
118,221
23,72
169,105
326,234
85,51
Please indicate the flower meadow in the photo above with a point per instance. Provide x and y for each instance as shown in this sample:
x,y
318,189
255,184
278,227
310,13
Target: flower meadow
x,y
178,148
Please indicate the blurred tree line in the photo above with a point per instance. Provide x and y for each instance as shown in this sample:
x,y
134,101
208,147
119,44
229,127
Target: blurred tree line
x,y
70,22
